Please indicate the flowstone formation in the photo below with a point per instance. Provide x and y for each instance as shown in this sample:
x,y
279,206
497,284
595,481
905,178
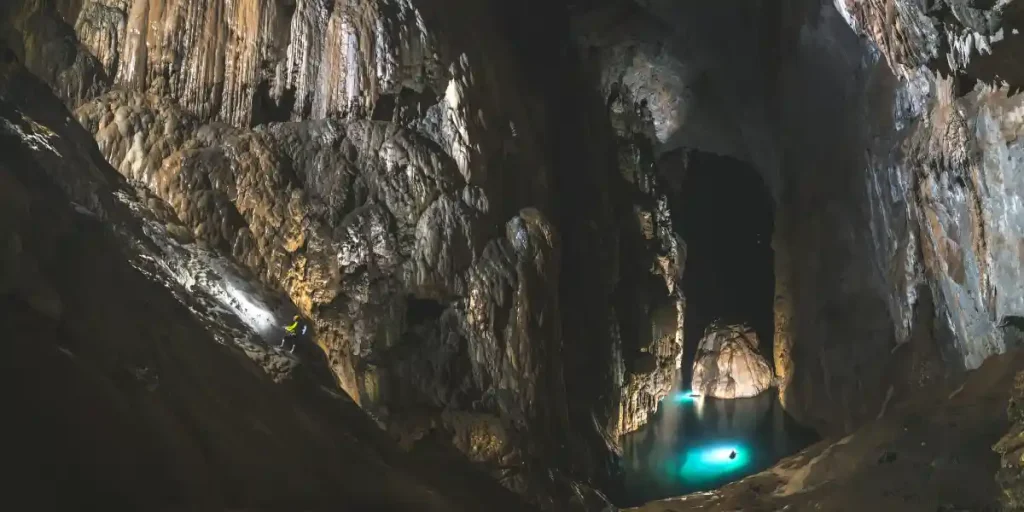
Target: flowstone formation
x,y
147,392
375,235
381,169
477,202
649,303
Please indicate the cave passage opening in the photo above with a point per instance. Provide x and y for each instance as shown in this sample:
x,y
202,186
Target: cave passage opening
x,y
724,212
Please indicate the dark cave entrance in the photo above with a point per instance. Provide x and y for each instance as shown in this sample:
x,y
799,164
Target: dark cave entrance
x,y
724,212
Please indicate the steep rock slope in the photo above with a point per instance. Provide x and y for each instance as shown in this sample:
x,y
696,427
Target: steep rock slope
x,y
479,220
121,396
415,225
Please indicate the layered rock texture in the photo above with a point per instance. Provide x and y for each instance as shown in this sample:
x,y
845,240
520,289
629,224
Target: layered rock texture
x,y
375,166
481,205
728,364
934,171
129,391
891,167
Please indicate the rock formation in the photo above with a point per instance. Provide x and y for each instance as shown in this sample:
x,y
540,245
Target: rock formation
x,y
373,234
478,205
928,287
728,364
410,227
129,381
893,266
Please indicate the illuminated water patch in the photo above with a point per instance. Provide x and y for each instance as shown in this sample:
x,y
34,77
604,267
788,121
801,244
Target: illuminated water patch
x,y
684,396
685,447
711,462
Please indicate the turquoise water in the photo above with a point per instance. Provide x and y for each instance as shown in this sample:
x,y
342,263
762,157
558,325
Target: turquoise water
x,y
696,443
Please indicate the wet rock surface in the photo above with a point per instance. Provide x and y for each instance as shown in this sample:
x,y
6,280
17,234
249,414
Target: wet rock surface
x,y
729,365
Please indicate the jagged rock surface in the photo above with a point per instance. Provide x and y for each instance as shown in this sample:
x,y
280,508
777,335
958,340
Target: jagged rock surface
x,y
36,33
400,189
430,290
937,167
975,40
728,364
649,304
115,373
893,266
412,231
368,230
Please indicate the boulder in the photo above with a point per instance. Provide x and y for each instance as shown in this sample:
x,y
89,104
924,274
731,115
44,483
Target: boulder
x,y
728,364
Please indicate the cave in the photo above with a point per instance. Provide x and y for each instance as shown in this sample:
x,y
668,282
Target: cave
x,y
725,216
524,234
724,213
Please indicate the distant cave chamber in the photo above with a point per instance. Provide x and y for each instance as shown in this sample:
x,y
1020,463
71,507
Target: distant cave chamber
x,y
724,212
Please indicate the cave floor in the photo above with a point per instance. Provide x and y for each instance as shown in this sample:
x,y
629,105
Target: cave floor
x,y
932,453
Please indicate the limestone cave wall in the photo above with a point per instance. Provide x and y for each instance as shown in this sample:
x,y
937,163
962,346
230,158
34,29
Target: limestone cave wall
x,y
130,391
393,170
884,132
478,203
921,223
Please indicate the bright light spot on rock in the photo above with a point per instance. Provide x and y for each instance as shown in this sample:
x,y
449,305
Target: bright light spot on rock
x,y
713,461
256,315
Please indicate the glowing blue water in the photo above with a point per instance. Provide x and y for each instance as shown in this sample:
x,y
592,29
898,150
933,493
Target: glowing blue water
x,y
684,396
695,443
711,462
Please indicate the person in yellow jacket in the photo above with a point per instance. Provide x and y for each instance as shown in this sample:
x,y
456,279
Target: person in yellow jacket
x,y
293,331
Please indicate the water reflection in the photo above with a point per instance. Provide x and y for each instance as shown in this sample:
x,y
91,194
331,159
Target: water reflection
x,y
696,443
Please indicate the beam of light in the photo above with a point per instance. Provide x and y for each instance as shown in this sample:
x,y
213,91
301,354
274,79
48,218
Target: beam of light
x,y
710,462
698,406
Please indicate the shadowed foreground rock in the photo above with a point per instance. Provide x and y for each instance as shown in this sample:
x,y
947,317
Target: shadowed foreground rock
x,y
1011,449
478,207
